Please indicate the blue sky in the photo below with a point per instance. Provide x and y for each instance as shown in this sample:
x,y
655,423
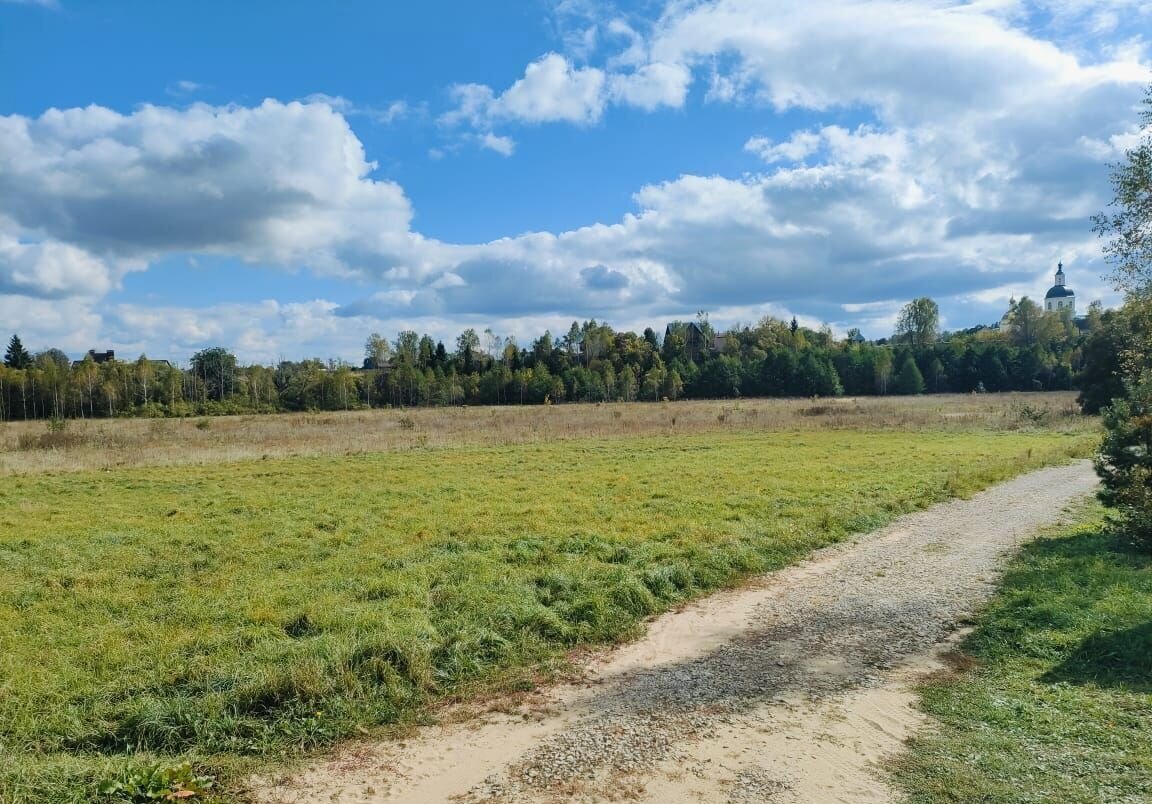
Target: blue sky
x,y
284,178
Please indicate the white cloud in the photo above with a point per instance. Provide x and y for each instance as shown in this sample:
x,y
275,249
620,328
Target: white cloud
x,y
796,148
278,183
471,104
982,152
256,332
69,324
396,110
552,90
651,86
184,87
51,270
505,146
385,115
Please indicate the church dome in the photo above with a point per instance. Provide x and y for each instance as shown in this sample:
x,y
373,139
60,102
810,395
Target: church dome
x,y
1059,291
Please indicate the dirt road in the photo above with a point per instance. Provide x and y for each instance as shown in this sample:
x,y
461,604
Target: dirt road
x,y
792,689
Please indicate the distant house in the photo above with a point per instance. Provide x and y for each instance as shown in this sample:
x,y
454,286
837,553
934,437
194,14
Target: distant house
x,y
691,334
695,341
110,357
97,357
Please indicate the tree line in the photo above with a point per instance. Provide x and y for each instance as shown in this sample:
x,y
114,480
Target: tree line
x,y
592,362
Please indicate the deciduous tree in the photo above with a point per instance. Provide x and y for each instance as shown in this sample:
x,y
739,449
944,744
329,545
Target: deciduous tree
x,y
1125,460
919,322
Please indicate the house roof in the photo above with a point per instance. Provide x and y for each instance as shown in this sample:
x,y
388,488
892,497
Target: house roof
x,y
685,325
1058,292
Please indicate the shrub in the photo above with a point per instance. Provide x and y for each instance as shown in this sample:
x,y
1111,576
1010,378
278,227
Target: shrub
x,y
1125,461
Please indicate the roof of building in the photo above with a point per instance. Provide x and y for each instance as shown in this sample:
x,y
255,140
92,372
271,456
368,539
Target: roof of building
x,y
1058,292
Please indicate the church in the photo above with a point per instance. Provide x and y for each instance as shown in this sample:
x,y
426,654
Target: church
x,y
1060,297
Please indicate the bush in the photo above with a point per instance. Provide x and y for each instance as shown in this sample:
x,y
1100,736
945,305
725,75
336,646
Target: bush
x,y
1125,460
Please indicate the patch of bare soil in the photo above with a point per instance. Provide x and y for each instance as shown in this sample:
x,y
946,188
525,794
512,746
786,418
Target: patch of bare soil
x,y
794,688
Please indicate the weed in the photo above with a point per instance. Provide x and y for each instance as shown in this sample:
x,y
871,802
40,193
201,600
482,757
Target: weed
x,y
157,782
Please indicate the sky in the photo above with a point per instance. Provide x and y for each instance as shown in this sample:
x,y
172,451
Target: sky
x,y
284,178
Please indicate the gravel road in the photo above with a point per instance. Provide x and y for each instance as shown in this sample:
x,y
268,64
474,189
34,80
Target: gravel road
x,y
789,690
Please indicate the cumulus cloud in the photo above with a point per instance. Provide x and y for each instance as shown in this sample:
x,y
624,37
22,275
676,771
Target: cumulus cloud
x,y
796,148
255,331
286,184
651,86
51,270
978,157
601,277
552,90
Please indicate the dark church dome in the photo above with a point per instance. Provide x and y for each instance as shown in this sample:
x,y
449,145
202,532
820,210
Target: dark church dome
x,y
1059,291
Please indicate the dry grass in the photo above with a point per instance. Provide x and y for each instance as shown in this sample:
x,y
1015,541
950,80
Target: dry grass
x,y
29,447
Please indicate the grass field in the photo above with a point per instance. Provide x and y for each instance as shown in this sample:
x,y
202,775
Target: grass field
x,y
227,613
1056,700
120,443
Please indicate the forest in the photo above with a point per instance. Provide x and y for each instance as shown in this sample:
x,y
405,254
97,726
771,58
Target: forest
x,y
592,362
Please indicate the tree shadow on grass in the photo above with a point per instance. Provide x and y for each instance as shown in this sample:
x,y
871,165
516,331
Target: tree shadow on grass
x,y
1110,659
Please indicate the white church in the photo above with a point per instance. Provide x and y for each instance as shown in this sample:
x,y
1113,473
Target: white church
x,y
1060,297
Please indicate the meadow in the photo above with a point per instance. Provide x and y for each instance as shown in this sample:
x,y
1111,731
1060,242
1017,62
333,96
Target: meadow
x,y
230,592
77,445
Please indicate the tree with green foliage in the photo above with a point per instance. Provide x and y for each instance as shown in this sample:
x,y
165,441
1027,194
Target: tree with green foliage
x,y
882,369
919,322
1102,378
908,380
1128,227
377,351
1125,460
17,357
816,376
216,369
53,357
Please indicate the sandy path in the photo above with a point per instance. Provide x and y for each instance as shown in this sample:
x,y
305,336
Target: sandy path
x,y
791,689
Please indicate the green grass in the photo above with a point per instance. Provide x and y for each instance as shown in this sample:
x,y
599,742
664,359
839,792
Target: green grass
x,y
1059,705
228,615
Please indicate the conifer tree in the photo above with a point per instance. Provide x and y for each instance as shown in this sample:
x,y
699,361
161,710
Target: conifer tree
x,y
17,356
909,380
